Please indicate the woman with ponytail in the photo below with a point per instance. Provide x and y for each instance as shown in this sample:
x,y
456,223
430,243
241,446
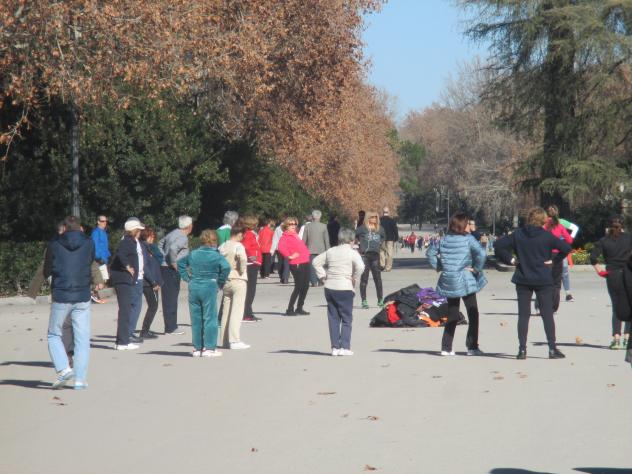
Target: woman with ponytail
x,y
553,225
616,248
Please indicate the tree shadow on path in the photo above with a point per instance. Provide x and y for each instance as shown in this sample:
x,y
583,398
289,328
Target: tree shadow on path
x,y
294,351
573,344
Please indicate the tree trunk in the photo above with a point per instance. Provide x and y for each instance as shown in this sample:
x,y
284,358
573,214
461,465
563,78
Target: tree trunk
x,y
560,123
74,154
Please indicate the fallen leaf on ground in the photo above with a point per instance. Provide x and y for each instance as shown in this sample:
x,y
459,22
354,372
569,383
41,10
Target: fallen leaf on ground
x,y
166,365
369,468
579,340
437,376
610,385
344,415
253,450
499,377
29,329
523,376
56,398
503,323
385,365
326,393
372,418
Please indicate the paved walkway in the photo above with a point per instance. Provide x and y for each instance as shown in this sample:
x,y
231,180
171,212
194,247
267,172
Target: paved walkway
x,y
286,406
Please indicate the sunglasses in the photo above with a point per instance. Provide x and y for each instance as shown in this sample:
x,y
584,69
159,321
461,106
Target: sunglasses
x,y
102,221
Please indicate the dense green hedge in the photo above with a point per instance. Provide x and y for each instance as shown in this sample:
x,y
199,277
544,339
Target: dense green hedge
x,y
18,263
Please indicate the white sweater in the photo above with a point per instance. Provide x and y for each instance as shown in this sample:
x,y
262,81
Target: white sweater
x,y
344,266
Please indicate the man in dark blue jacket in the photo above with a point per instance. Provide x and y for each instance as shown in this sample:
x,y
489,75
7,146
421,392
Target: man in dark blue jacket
x,y
535,252
69,263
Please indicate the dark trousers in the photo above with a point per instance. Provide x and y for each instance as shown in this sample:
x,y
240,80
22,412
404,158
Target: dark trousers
x,y
251,289
557,271
266,267
371,264
340,317
170,292
471,306
124,297
544,297
283,268
151,297
300,273
619,300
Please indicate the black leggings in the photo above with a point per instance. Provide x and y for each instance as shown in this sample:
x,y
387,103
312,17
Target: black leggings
x,y
151,297
251,288
300,273
471,306
371,264
266,267
557,272
544,296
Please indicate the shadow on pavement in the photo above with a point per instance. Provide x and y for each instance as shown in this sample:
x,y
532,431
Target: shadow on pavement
x,y
101,346
294,351
495,355
27,383
411,262
604,470
167,353
501,314
573,344
29,363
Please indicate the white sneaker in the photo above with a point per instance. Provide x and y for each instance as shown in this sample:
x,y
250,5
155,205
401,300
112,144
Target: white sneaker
x,y
177,332
129,347
239,345
335,352
446,353
211,353
196,353
63,377
345,352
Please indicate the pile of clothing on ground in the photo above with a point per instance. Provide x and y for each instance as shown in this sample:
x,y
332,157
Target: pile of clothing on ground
x,y
413,306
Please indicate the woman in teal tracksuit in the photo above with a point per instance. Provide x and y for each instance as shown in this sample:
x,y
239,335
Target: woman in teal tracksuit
x,y
206,270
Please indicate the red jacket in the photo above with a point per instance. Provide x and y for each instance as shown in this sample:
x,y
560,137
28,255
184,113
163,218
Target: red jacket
x,y
558,231
290,243
265,239
252,248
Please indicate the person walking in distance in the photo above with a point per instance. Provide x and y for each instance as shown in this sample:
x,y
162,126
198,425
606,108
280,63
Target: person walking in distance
x,y
292,247
370,236
70,266
174,246
333,227
460,259
266,234
206,271
223,233
533,246
101,248
253,252
616,248
553,225
152,281
388,245
234,290
316,238
340,267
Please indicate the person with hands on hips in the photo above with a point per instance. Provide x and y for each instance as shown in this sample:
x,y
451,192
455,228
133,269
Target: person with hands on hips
x,y
616,249
292,247
533,246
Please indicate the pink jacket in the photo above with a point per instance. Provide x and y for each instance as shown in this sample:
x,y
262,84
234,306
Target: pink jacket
x,y
291,243
558,231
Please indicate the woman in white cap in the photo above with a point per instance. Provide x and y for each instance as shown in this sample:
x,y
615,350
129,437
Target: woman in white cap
x,y
126,274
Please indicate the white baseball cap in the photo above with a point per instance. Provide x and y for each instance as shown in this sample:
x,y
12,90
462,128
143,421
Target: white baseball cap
x,y
133,223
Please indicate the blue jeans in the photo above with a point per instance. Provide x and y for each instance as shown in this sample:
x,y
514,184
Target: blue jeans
x,y
340,317
136,307
566,279
80,316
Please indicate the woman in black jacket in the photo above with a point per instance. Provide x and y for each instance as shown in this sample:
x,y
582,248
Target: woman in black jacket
x,y
533,247
126,274
616,248
152,280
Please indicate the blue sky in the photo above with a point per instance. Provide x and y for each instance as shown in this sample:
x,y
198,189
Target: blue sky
x,y
414,46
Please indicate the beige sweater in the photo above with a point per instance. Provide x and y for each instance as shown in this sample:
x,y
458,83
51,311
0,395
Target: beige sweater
x,y
235,253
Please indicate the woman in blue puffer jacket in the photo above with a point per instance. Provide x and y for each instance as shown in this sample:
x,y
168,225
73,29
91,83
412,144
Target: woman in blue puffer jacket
x,y
460,259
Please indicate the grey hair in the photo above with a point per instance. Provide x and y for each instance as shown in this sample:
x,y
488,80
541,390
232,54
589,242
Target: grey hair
x,y
316,214
230,217
184,222
345,236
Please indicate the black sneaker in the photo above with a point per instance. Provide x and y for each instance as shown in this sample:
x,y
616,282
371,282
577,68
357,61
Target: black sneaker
x,y
290,312
148,335
522,354
556,354
569,297
135,340
302,312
